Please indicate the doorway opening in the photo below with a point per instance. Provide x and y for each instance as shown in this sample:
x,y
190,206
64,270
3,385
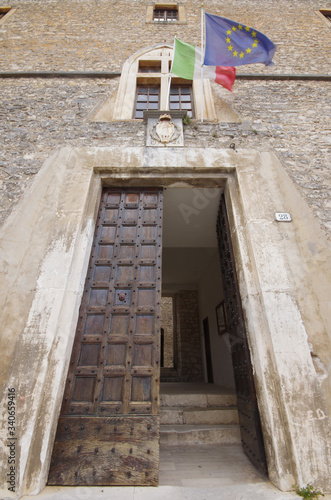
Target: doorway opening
x,y
191,280
212,354
113,377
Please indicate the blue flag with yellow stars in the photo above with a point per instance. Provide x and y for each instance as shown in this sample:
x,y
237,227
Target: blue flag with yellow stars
x,y
229,43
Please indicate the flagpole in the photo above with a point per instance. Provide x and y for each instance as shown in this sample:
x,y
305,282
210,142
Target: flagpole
x,y
168,96
169,86
202,52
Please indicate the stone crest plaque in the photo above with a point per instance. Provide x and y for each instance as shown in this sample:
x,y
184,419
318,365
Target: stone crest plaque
x,y
164,131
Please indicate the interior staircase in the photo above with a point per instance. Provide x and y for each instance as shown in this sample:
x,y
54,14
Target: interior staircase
x,y
197,414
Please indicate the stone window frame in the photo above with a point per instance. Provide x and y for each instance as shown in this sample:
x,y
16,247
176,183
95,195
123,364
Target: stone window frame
x,y
130,77
323,13
181,19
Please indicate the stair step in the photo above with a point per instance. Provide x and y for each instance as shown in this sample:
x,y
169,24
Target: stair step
x,y
198,415
191,399
199,434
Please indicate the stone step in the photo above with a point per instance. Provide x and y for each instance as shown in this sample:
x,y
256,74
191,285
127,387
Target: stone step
x,y
197,400
199,434
198,415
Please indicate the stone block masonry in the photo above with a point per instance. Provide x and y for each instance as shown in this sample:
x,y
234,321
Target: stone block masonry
x,y
167,324
100,35
291,118
188,337
283,269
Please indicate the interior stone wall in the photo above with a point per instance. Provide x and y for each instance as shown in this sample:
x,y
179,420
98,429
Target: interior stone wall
x,y
188,336
167,323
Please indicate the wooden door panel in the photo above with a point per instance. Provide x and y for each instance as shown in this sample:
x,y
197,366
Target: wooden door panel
x,y
249,418
114,369
126,448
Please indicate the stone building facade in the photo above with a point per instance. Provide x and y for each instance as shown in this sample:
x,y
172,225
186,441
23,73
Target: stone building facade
x,y
266,146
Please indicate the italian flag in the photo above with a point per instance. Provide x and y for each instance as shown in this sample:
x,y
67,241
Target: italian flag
x,y
187,62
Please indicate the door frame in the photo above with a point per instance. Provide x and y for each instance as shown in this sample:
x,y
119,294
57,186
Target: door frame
x,y
209,362
255,186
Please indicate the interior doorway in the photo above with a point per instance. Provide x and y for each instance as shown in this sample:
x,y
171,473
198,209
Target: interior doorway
x,y
199,271
191,276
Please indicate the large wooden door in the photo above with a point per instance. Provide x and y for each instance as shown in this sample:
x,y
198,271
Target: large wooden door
x,y
249,419
108,429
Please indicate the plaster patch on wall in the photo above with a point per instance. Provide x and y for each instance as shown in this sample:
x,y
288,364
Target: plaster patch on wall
x,y
37,339
57,357
52,278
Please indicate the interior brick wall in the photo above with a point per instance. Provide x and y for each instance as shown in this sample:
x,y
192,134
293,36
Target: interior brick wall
x,y
188,337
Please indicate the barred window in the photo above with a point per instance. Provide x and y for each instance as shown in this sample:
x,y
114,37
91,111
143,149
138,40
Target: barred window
x,y
168,12
165,15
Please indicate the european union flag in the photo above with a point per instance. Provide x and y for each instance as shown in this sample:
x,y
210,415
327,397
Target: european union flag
x,y
229,43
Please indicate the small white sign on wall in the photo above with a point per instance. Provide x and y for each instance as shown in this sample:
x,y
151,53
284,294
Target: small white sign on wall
x,y
283,217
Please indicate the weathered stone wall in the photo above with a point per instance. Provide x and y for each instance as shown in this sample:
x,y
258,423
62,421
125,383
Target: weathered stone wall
x,y
37,116
290,118
102,34
188,337
284,271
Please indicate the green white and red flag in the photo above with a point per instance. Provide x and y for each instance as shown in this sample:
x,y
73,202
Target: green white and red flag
x,y
187,62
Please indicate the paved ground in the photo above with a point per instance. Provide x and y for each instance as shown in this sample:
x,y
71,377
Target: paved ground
x,y
218,472
203,472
